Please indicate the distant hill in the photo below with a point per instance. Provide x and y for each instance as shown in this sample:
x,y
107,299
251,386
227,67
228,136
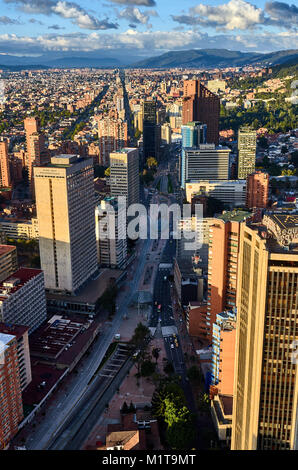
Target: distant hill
x,y
215,57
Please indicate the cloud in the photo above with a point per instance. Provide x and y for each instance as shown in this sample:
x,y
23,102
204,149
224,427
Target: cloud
x,y
282,14
56,27
34,21
236,14
147,43
135,16
68,10
144,3
5,20
240,15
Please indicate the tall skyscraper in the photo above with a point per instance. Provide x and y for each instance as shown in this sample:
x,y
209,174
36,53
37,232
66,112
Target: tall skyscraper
x,y
247,144
200,104
193,134
207,162
37,154
257,189
5,179
124,178
65,211
149,129
223,264
11,405
265,403
113,135
111,251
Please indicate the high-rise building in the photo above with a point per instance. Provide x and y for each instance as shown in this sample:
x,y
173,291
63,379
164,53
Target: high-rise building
x,y
8,261
166,133
223,264
65,211
222,381
124,177
257,189
110,226
200,104
21,334
265,402
113,135
11,405
193,134
207,162
37,154
22,298
247,144
5,179
149,129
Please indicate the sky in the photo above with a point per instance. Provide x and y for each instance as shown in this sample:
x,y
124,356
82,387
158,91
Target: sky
x,y
145,27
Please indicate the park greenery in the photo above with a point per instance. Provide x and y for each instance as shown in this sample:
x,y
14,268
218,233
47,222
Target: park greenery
x,y
276,116
169,407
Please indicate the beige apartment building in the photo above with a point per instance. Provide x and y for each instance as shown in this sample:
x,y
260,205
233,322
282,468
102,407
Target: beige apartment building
x,y
124,178
65,211
265,414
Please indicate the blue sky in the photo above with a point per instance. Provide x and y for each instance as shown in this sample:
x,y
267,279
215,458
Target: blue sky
x,y
145,27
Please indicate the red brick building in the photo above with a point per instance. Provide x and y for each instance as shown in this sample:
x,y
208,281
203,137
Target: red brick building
x,y
200,104
257,189
10,390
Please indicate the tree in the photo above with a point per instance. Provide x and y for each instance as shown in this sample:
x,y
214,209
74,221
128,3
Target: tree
x,y
155,353
132,407
147,368
168,368
151,162
124,408
203,402
181,431
194,374
141,336
166,390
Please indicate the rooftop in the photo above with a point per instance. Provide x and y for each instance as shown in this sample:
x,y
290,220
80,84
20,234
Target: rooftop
x,y
5,340
4,249
15,330
285,221
16,281
234,216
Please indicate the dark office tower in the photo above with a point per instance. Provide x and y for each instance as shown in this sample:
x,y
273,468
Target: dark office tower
x,y
200,104
149,129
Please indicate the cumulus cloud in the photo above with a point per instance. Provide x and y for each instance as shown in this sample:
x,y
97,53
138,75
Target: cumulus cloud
x,y
240,15
236,14
69,10
282,14
135,16
147,43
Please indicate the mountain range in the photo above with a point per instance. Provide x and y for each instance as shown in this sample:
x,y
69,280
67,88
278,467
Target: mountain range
x,y
216,58
196,58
